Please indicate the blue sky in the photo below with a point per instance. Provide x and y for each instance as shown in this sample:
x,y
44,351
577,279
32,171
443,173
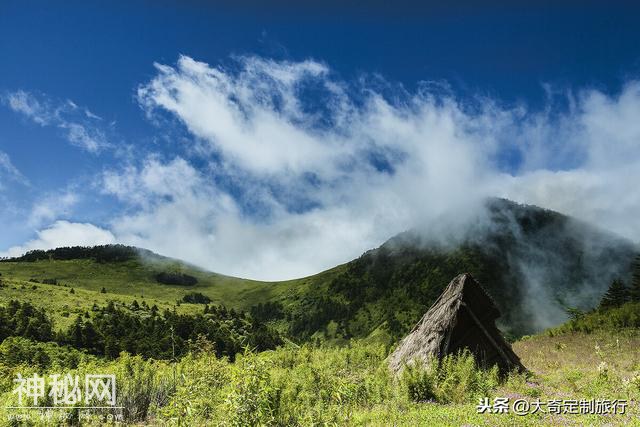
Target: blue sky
x,y
240,136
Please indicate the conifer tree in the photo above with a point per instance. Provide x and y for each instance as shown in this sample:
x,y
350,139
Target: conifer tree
x,y
616,295
635,281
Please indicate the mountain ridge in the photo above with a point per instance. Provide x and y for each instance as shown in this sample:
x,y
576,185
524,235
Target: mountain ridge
x,y
533,261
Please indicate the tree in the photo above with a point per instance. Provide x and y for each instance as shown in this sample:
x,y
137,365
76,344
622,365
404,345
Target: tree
x,y
111,348
196,298
91,339
635,281
75,333
616,295
574,313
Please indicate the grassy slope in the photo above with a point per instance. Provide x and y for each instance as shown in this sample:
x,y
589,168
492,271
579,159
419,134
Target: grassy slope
x,y
350,385
63,306
134,280
565,365
391,286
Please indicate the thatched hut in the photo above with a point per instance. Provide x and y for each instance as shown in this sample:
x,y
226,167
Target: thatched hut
x,y
462,317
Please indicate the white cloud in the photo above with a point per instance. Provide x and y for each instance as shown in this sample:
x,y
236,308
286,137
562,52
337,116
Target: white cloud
x,y
81,136
602,132
76,125
255,111
443,153
290,186
64,233
25,103
9,171
52,207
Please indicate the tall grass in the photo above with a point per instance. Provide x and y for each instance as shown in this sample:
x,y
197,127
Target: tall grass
x,y
348,385
454,379
289,386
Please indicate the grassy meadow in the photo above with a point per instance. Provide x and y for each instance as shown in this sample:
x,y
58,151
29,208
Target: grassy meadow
x,y
317,381
310,385
135,278
123,282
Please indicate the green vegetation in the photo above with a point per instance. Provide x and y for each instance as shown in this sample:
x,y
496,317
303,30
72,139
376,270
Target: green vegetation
x,y
312,385
24,320
617,295
136,277
625,316
176,278
101,254
385,291
189,347
141,330
196,298
454,379
593,356
634,292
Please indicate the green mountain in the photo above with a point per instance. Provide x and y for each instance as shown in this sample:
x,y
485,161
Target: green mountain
x,y
534,262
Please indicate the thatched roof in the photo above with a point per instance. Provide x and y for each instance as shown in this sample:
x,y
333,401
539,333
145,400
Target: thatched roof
x,y
463,317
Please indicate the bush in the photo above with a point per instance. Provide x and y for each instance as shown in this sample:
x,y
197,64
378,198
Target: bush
x,y
180,279
251,398
197,395
455,378
626,316
287,386
420,382
196,298
17,351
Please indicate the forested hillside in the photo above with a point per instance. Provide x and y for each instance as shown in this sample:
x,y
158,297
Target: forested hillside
x,y
535,263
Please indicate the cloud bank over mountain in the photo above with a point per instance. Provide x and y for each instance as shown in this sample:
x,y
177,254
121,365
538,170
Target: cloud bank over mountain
x,y
288,169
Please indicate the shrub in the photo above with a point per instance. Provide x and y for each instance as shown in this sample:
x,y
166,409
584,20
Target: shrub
x,y
142,385
197,395
17,351
455,378
180,279
196,298
251,398
420,382
625,316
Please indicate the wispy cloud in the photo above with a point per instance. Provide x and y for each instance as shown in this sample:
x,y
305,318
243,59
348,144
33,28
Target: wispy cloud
x,y
25,103
9,171
255,111
77,124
